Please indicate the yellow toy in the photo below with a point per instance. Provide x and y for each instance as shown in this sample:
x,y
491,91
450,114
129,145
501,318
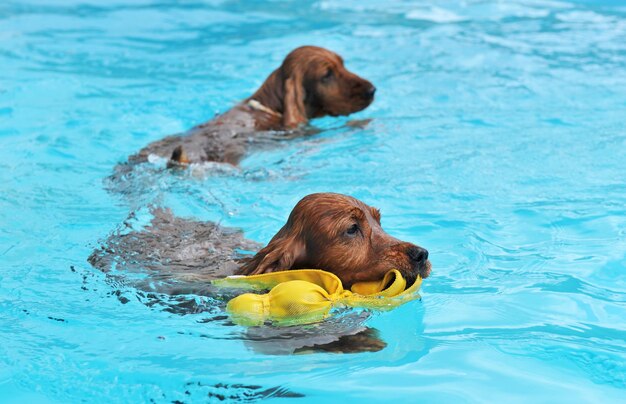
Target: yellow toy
x,y
307,295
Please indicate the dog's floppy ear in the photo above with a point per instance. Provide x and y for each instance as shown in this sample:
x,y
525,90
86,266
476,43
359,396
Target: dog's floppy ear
x,y
294,110
283,91
280,254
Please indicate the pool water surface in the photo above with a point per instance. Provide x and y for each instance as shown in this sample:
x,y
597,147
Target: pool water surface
x,y
496,141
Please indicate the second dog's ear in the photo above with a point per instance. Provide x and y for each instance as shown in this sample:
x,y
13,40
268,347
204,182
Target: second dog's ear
x,y
294,110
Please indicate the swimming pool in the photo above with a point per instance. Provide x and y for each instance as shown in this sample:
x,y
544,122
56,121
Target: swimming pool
x,y
497,142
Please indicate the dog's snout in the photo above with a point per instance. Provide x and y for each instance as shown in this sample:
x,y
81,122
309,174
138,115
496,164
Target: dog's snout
x,y
418,254
363,88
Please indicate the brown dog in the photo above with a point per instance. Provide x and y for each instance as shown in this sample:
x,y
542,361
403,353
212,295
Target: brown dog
x,y
334,232
311,82
342,235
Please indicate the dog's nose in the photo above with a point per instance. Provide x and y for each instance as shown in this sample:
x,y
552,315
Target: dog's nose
x,y
370,91
418,254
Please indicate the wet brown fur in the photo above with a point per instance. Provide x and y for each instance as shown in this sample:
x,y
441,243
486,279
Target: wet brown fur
x,y
342,235
311,82
315,236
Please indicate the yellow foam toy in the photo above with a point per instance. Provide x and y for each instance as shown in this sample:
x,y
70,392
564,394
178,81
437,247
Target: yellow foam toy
x,y
307,295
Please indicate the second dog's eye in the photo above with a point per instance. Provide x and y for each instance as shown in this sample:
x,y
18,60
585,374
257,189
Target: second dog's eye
x,y
328,75
353,230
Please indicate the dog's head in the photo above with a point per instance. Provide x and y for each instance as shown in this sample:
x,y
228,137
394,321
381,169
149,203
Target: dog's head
x,y
342,235
313,82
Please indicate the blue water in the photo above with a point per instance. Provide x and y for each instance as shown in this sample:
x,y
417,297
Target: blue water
x,y
497,141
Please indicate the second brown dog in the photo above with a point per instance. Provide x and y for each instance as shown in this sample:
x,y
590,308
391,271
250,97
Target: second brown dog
x,y
312,82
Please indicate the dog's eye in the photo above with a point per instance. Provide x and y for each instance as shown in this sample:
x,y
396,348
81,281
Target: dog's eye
x,y
328,75
353,230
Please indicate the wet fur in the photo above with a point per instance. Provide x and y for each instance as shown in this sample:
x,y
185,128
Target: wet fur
x,y
315,236
172,249
318,234
311,82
